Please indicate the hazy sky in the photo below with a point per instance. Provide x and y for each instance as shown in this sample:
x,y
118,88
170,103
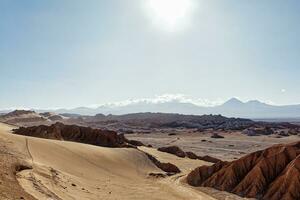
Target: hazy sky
x,y
68,53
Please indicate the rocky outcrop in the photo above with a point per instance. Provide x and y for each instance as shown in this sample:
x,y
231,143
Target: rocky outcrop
x,y
258,131
17,113
52,116
191,155
166,167
138,121
217,136
180,153
271,174
135,143
209,159
173,150
75,133
200,174
18,117
286,186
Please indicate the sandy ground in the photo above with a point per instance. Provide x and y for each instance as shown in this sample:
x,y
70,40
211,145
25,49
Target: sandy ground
x,y
65,170
12,155
233,146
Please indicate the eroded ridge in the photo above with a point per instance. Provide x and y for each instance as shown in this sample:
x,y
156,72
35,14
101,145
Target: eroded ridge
x,y
270,174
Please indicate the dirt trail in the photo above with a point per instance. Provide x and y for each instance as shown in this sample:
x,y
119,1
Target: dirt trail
x,y
178,181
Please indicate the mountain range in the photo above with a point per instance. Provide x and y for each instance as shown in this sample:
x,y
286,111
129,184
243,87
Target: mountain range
x,y
232,108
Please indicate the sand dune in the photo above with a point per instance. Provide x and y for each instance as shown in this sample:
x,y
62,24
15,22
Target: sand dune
x,y
67,170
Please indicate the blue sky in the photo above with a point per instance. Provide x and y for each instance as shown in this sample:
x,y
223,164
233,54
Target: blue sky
x,y
68,53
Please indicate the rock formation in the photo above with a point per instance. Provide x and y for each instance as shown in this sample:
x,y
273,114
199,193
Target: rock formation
x,y
135,143
59,131
180,153
271,174
139,121
30,118
209,159
166,167
22,116
87,135
258,131
217,136
173,150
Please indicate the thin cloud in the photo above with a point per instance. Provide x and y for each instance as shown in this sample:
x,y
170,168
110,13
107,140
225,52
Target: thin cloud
x,y
165,98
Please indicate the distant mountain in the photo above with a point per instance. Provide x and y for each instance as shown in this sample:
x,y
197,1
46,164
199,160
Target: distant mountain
x,y
232,108
256,109
166,107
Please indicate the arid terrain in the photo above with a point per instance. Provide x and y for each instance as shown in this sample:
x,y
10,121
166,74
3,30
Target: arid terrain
x,y
269,174
50,159
234,144
48,169
149,100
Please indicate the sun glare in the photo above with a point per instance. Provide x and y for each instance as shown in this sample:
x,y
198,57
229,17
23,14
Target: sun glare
x,y
170,15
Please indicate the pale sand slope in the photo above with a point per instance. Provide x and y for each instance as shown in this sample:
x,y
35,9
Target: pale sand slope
x,y
66,170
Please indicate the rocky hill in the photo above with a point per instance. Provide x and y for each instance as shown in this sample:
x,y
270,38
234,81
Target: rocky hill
x,y
59,131
165,120
30,118
270,174
148,122
180,153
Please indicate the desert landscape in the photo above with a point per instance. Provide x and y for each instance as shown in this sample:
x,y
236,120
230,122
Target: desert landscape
x,y
47,169
53,160
149,100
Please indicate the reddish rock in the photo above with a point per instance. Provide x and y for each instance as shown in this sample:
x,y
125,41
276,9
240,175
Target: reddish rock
x,y
169,167
217,136
166,167
75,133
286,186
191,155
209,159
271,174
173,150
200,174
180,153
135,143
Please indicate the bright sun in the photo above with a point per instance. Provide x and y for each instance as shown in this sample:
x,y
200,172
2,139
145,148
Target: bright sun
x,y
170,15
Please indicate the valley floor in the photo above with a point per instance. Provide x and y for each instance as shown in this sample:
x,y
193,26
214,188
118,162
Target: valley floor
x,y
233,146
